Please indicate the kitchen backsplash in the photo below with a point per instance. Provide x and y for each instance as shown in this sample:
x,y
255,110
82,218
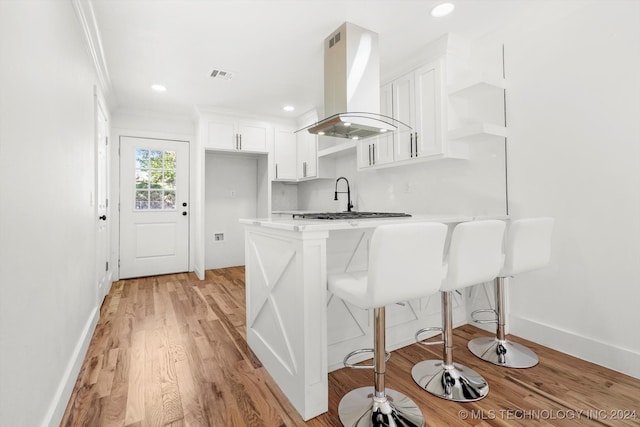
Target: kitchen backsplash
x,y
475,186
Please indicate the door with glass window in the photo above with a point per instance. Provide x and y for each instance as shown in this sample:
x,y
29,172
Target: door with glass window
x,y
154,207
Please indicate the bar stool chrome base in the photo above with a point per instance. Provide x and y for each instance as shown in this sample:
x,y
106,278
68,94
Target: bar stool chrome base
x,y
451,382
359,408
502,352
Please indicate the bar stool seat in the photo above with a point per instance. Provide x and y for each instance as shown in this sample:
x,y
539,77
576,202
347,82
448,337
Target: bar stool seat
x,y
405,263
527,247
475,256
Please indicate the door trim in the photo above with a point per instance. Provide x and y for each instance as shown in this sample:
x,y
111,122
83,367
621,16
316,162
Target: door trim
x,y
103,290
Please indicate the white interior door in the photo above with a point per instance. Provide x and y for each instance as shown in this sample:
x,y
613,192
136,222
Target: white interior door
x,y
103,269
154,207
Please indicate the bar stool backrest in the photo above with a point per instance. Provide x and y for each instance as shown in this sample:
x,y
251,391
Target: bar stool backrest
x,y
475,254
527,245
405,262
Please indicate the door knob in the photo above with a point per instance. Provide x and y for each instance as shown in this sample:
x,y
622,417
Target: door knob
x,y
103,217
184,214
184,204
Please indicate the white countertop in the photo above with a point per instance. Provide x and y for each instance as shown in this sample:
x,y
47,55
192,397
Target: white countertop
x,y
300,225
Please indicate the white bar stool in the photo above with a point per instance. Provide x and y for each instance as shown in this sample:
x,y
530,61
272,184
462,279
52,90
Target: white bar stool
x,y
475,256
405,263
527,247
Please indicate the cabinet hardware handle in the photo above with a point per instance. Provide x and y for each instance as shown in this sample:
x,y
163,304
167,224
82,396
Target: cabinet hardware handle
x,y
241,141
236,141
304,169
103,217
373,151
411,143
416,144
369,154
276,171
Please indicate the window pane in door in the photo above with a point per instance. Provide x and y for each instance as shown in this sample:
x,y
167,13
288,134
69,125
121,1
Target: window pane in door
x,y
155,180
169,160
142,179
142,199
169,199
142,159
155,159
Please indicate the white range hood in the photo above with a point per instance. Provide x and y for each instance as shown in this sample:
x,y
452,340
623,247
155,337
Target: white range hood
x,y
352,86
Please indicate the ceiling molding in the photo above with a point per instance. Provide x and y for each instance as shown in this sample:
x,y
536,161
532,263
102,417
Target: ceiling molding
x,y
87,19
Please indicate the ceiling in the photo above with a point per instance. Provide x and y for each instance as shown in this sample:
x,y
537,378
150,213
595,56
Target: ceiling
x,y
273,47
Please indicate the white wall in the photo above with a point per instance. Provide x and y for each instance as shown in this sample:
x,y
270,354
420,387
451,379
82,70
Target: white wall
x,y
231,193
48,300
574,154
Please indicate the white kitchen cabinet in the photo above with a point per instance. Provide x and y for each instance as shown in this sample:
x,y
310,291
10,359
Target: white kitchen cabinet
x,y
295,155
418,102
284,153
307,155
224,133
379,150
404,110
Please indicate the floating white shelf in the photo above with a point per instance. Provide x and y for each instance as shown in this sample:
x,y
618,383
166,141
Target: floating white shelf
x,y
475,84
478,131
338,149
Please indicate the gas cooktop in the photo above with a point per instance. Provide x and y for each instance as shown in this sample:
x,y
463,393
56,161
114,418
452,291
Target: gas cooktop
x,y
349,215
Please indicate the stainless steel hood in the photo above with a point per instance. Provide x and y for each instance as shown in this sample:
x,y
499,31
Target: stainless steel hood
x,y
352,86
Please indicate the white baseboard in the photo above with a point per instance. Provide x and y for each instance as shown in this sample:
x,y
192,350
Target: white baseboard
x,y
65,388
610,356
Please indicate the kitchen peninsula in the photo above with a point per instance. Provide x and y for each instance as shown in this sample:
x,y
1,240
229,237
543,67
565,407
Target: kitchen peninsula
x,y
297,329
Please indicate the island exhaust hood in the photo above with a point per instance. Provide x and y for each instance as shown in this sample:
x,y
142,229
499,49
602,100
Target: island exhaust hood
x,y
352,87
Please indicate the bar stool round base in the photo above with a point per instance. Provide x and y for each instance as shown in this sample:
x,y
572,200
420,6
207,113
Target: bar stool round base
x,y
453,382
503,353
358,409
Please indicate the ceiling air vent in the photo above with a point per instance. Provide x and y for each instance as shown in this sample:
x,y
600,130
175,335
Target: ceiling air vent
x,y
221,74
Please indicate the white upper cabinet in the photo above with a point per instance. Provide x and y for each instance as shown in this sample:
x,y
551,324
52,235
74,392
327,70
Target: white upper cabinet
x,y
296,153
429,110
417,102
225,133
404,110
252,136
284,153
307,154
379,150
221,134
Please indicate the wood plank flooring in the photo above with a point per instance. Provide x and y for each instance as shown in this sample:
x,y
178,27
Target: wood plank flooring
x,y
171,351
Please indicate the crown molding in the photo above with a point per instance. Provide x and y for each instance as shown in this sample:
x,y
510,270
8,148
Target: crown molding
x,y
86,17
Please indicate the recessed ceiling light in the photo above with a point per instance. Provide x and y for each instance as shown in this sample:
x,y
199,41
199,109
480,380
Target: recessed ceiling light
x,y
347,124
442,9
383,130
320,133
158,88
355,138
288,108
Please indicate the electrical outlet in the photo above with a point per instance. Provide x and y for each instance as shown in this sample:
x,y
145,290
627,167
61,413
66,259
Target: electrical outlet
x,y
218,237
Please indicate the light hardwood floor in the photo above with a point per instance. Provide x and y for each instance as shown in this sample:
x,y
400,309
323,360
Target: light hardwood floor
x,y
171,351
